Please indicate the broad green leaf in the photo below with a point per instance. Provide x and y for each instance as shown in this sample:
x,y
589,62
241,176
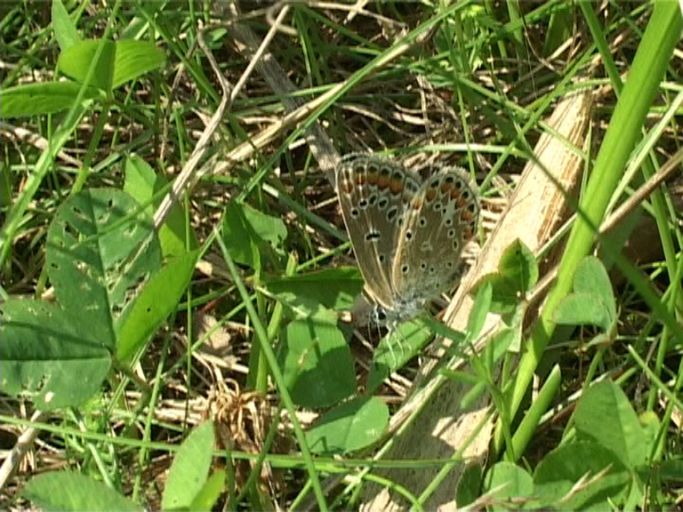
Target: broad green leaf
x,y
500,343
556,476
316,361
480,310
134,59
99,258
148,188
517,274
190,469
76,60
518,264
140,182
591,277
349,427
333,288
604,415
251,235
65,30
672,470
208,496
649,421
469,485
592,302
157,299
42,355
67,490
581,308
42,98
505,295
506,480
6,182
396,349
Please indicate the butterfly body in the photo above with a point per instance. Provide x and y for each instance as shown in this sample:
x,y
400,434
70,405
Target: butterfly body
x,y
407,234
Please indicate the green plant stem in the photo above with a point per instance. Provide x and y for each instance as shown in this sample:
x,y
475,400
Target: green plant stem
x,y
601,44
158,381
673,396
650,63
648,168
256,467
279,379
273,330
95,140
527,426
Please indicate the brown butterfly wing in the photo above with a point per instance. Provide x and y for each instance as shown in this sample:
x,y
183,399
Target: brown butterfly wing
x,y
374,194
441,219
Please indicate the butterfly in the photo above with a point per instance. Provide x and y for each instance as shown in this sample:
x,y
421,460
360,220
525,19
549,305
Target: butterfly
x,y
407,234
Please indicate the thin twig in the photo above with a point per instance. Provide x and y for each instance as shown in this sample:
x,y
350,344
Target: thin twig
x,y
16,455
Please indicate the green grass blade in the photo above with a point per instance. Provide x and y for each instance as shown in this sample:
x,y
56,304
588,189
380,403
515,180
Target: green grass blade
x,y
649,66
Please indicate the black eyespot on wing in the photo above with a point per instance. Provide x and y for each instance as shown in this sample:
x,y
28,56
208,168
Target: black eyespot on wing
x,y
372,199
382,258
381,314
422,222
451,233
372,236
355,212
423,266
437,206
363,203
382,203
405,268
409,234
391,213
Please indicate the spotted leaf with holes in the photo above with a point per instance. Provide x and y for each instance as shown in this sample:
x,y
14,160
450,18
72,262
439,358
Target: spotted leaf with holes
x,y
101,251
43,356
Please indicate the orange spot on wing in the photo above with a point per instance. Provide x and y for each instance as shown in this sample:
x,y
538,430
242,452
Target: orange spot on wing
x,y
373,177
430,195
396,185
